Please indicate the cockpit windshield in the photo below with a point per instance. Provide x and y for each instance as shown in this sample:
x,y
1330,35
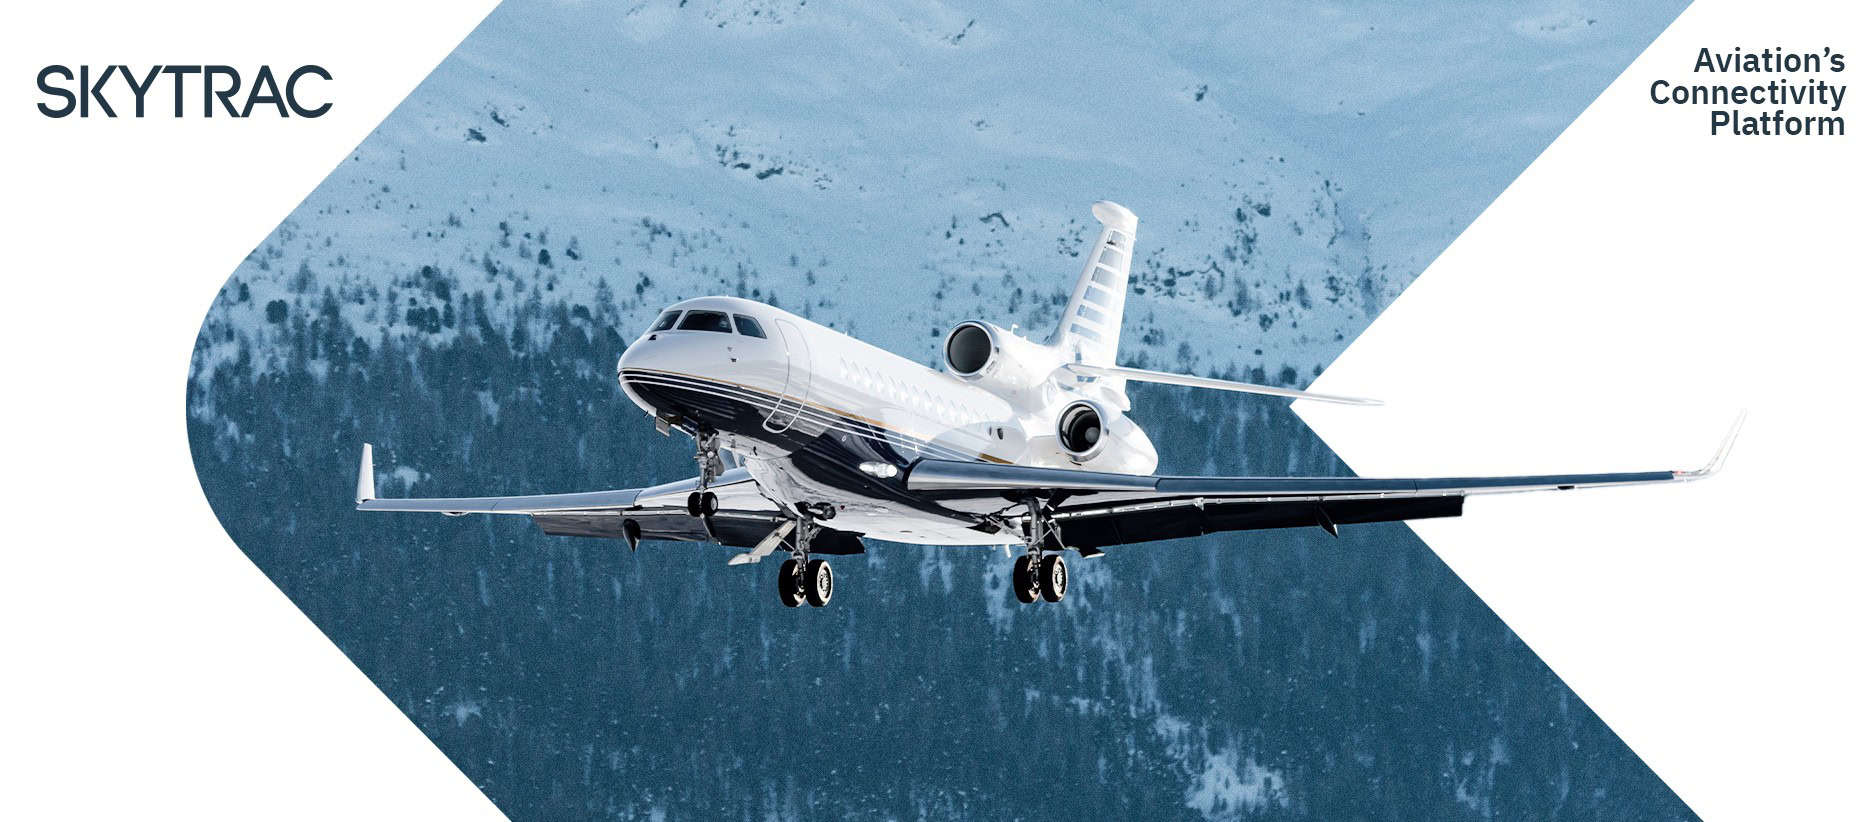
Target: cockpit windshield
x,y
666,321
705,321
747,325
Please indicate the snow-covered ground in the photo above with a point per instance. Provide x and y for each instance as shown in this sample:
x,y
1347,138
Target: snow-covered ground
x,y
892,172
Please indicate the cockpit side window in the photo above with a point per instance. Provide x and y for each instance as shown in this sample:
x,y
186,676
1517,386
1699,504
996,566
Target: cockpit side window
x,y
747,326
705,321
664,322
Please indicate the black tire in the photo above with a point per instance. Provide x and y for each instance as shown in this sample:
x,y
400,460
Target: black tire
x,y
709,504
1052,578
1025,588
792,592
818,583
695,504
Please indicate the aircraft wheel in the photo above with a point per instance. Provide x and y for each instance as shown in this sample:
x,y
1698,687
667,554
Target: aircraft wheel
x,y
1053,578
1026,588
694,504
709,504
818,583
792,585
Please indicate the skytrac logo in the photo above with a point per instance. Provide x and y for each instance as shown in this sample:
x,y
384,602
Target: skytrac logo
x,y
106,90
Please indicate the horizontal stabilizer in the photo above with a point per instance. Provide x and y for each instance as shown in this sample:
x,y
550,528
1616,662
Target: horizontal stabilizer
x,y
1141,375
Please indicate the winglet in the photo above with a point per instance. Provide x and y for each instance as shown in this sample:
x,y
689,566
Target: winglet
x,y
1722,452
366,477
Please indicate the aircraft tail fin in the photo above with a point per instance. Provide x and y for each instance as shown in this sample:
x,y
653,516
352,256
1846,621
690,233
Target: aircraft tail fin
x,y
1088,332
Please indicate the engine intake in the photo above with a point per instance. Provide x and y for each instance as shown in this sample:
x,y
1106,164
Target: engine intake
x,y
995,358
969,350
1082,431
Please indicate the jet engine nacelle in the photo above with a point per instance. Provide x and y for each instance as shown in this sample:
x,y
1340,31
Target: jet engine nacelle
x,y
996,359
1094,435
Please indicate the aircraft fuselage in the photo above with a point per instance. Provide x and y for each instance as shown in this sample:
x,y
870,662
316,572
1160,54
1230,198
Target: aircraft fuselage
x,y
807,409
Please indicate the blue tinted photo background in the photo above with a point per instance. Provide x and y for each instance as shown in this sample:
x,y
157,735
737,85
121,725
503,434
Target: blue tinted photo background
x,y
457,290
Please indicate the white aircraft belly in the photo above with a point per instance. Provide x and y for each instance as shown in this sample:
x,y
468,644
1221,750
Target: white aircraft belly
x,y
873,518
914,528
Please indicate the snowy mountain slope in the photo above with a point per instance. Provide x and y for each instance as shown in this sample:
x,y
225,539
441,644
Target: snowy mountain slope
x,y
855,163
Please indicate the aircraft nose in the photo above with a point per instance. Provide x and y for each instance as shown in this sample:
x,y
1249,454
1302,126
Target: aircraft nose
x,y
633,356
646,353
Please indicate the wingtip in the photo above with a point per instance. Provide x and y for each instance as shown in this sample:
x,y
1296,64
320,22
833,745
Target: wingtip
x,y
1337,399
367,477
1721,457
1728,444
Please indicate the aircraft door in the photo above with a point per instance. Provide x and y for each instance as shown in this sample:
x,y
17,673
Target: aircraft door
x,y
798,388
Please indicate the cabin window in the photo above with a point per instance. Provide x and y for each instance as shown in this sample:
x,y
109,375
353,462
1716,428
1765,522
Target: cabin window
x,y
1104,276
1108,257
1098,297
704,321
748,327
664,322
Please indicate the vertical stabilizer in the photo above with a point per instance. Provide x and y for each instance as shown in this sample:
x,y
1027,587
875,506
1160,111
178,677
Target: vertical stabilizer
x,y
1088,333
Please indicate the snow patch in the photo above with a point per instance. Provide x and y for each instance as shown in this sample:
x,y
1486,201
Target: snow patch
x,y
463,710
403,474
1232,784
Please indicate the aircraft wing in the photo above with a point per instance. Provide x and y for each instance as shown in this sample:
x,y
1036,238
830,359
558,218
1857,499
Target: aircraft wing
x,y
631,514
1094,510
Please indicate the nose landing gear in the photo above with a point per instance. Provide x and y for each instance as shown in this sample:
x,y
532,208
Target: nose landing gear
x,y
702,503
708,455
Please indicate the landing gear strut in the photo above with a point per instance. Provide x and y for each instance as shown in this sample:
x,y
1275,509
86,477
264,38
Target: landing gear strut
x,y
803,579
1037,574
702,502
708,456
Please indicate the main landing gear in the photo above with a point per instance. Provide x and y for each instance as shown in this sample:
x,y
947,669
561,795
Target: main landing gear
x,y
1037,574
1042,579
803,579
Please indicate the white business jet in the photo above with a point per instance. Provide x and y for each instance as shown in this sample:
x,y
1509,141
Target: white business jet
x,y
1014,443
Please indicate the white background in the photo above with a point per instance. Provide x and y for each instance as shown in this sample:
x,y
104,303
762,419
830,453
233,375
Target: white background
x,y
1636,286
1639,284
150,669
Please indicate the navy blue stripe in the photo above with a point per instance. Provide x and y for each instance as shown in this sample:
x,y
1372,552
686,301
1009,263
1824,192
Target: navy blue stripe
x,y
894,439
